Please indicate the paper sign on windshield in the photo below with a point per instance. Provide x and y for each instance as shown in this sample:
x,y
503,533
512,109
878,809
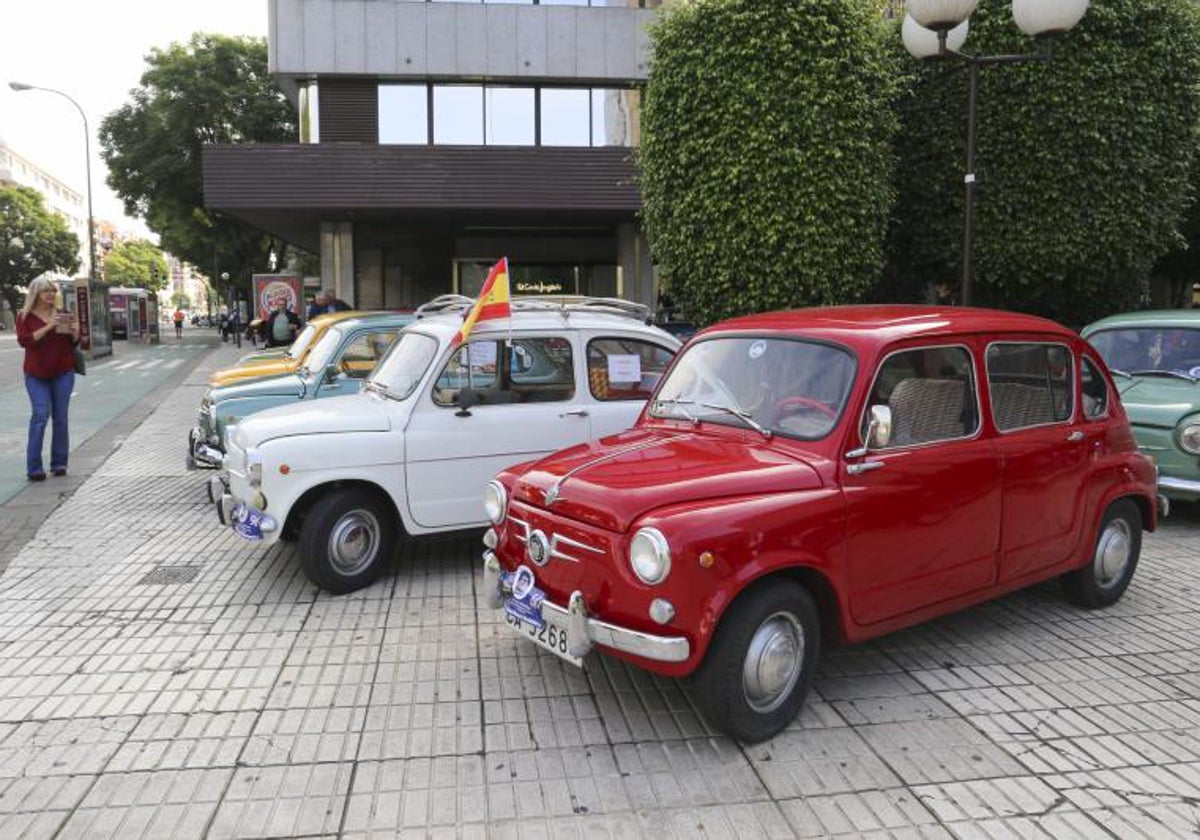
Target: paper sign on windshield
x,y
482,353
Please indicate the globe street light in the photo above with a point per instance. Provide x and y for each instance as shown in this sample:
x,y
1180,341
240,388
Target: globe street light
x,y
938,29
86,338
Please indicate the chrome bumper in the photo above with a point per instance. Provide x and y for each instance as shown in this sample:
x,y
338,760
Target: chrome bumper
x,y
217,486
201,455
583,632
1178,485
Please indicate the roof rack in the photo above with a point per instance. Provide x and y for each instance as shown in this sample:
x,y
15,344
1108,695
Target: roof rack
x,y
563,304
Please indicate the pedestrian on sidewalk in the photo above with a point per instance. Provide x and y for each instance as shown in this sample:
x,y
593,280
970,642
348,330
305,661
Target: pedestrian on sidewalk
x,y
178,318
48,337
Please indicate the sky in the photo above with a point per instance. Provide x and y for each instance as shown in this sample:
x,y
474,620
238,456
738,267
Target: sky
x,y
95,53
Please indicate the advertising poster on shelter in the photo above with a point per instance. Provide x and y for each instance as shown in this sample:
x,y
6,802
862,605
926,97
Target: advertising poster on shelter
x,y
270,289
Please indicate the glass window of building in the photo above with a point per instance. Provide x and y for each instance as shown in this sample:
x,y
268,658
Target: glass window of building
x,y
509,115
403,114
458,114
566,117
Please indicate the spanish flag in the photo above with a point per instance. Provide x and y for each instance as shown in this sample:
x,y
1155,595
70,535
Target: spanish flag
x,y
491,303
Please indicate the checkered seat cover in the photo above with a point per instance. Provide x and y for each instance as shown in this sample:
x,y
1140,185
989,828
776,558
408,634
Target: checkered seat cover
x,y
925,410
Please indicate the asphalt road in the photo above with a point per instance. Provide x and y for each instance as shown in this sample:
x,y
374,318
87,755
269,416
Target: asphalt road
x,y
112,385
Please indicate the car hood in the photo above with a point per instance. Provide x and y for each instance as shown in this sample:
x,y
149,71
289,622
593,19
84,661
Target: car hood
x,y
272,367
288,385
1158,401
612,482
336,415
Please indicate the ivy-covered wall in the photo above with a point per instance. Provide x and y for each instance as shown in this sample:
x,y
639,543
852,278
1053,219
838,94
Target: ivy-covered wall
x,y
767,154
1084,164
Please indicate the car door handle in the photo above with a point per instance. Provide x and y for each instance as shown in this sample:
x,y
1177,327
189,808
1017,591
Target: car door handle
x,y
579,412
865,466
1075,436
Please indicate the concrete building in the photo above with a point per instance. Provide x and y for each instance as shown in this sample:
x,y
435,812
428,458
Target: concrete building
x,y
439,136
18,170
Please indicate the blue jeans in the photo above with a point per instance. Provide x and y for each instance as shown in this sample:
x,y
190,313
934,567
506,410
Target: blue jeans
x,y
50,399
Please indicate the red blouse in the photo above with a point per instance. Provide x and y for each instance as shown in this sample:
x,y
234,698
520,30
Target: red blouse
x,y
48,356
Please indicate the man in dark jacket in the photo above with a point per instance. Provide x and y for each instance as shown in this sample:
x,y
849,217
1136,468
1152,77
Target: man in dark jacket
x,y
280,326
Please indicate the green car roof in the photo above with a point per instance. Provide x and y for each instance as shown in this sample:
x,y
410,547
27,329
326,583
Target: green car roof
x,y
1148,318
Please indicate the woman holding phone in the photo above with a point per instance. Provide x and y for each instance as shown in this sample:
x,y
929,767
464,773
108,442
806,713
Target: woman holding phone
x,y
47,336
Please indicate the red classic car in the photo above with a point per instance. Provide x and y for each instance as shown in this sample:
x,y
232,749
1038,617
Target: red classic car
x,y
836,472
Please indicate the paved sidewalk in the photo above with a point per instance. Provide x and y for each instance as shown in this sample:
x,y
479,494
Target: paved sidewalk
x,y
161,678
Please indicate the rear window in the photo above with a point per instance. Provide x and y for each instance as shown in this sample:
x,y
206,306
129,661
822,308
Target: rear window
x,y
1031,384
625,368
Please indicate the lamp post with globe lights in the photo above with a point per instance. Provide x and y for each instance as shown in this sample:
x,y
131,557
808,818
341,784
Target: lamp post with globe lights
x,y
89,335
938,29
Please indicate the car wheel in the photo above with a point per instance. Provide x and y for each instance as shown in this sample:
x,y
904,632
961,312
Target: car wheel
x,y
346,538
1104,580
761,661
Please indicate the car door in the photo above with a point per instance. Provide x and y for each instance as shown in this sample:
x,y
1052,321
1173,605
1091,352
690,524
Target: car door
x,y
530,405
1045,452
923,507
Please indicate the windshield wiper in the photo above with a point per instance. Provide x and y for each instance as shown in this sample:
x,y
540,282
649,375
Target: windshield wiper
x,y
741,414
1174,374
1120,372
679,402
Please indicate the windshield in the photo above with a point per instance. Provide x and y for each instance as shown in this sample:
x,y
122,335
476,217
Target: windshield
x,y
401,370
323,351
1150,349
786,386
300,342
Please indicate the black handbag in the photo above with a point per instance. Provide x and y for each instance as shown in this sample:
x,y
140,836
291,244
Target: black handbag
x,y
80,361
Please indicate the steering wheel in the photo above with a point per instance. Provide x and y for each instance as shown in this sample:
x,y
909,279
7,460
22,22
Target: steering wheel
x,y
790,405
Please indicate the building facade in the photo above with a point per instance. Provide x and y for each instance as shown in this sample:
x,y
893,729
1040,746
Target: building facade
x,y
439,136
20,171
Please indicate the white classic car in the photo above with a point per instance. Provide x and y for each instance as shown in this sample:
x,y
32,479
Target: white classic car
x,y
410,454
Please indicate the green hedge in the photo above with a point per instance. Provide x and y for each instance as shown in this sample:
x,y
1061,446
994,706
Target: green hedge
x,y
766,158
1084,164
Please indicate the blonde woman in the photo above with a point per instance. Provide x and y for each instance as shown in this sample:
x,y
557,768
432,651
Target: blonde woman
x,y
47,336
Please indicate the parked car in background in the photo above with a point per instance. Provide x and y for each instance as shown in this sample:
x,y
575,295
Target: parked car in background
x,y
339,361
829,472
1155,357
410,454
292,358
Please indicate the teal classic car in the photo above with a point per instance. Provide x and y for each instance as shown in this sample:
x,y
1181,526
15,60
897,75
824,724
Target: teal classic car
x,y
1155,361
338,362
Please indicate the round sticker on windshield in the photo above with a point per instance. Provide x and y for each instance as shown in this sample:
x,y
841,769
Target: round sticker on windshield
x,y
1195,372
757,349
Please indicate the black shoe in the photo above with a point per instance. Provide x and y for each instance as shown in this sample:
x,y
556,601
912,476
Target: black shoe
x,y
37,477
60,471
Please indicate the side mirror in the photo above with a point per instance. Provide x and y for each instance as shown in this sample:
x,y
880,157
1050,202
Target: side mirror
x,y
466,399
879,428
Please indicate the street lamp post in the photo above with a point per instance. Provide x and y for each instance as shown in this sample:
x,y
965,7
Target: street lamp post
x,y
938,29
91,222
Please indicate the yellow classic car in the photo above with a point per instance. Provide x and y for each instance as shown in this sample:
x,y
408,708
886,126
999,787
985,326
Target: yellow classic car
x,y
291,361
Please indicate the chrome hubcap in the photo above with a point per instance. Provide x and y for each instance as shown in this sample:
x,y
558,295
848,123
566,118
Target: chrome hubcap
x,y
1112,552
773,662
353,542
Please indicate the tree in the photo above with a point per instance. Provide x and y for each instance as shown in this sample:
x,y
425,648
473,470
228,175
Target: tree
x,y
766,159
214,89
138,264
33,240
1083,164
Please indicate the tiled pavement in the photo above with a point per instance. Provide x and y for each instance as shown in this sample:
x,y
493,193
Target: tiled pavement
x,y
161,678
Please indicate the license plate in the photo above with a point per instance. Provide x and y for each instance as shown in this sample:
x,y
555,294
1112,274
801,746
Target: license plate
x,y
247,522
553,639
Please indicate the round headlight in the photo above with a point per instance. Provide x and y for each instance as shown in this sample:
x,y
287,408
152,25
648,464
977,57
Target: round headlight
x,y
1189,438
495,502
650,556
